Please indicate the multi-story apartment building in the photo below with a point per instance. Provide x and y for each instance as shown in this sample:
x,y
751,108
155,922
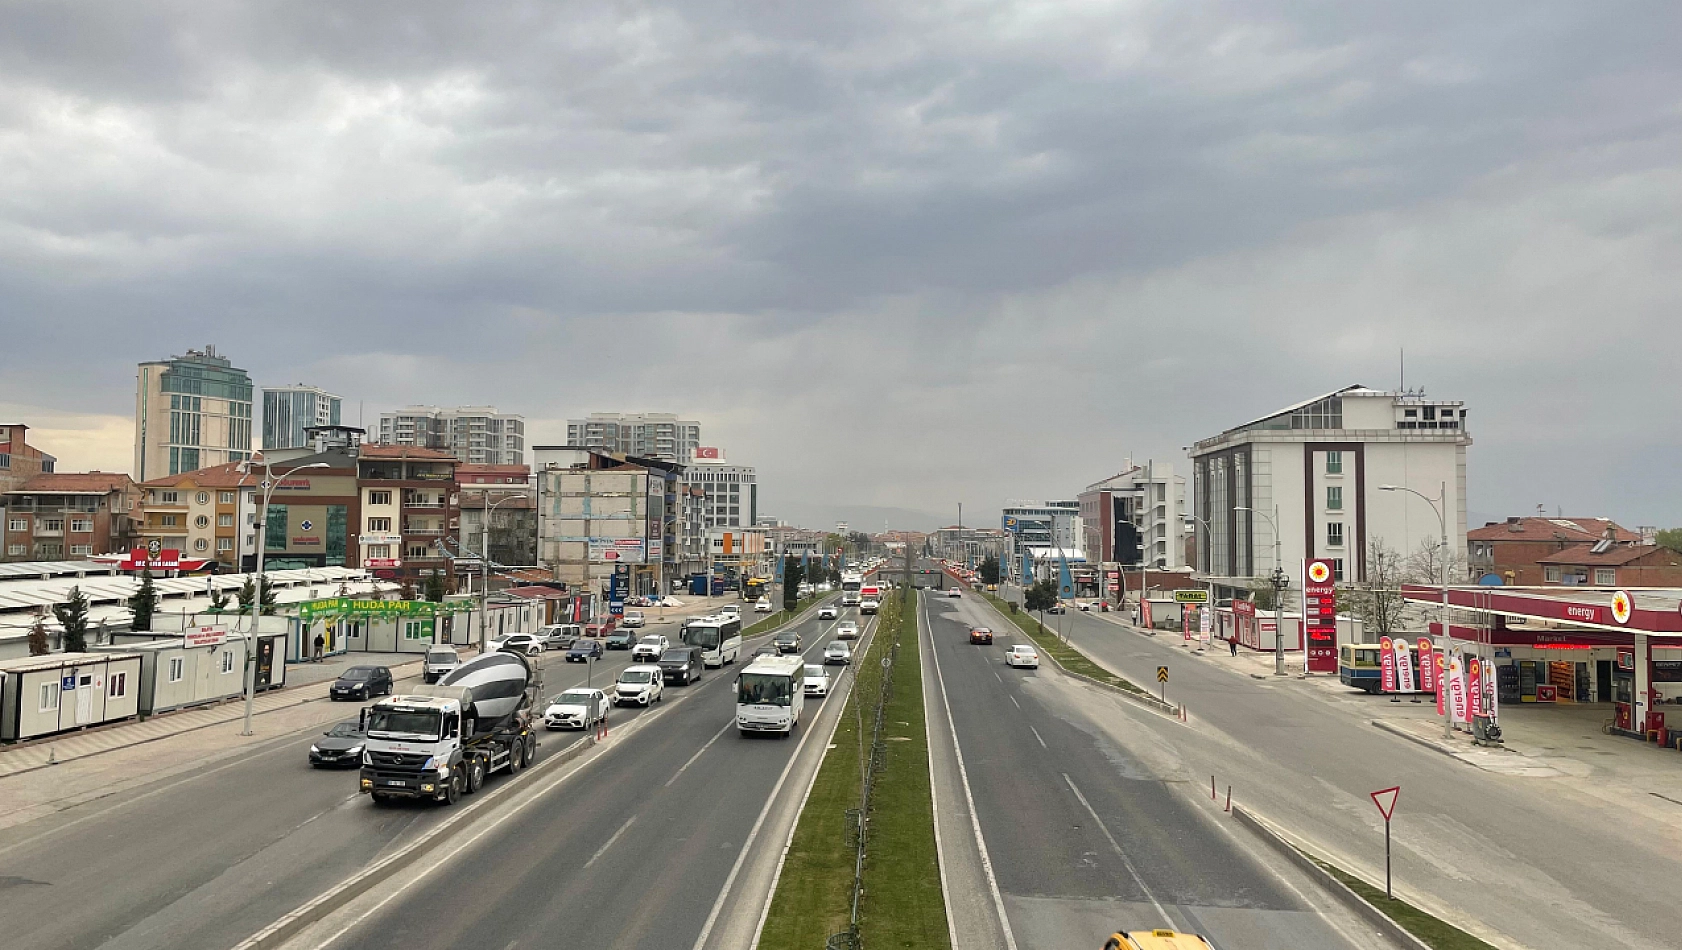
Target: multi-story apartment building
x,y
1036,527
1136,517
508,493
20,461
208,513
406,508
1319,470
190,412
56,516
289,410
654,435
312,514
713,495
478,435
600,512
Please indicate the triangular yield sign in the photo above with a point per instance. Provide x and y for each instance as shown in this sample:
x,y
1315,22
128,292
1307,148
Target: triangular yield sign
x,y
1385,799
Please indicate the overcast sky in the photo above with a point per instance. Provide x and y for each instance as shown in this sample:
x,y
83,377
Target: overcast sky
x,y
898,255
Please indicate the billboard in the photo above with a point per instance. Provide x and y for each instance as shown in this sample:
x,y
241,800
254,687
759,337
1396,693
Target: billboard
x,y
618,550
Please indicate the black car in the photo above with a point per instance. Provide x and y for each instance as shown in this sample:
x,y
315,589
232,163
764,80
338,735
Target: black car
x,y
767,650
621,639
339,747
787,642
681,665
362,682
583,650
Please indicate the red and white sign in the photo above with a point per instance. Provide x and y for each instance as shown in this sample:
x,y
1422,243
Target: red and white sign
x,y
386,562
1427,666
1474,684
1385,799
1319,616
709,452
1386,666
167,559
1622,606
1404,665
1456,687
210,636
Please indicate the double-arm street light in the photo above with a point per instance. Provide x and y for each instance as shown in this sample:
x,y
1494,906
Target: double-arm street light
x,y
1440,506
268,486
1280,582
485,558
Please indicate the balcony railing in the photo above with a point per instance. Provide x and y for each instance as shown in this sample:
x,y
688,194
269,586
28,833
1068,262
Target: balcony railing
x,y
428,530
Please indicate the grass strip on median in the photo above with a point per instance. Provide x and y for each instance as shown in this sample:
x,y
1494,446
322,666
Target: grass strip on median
x,y
779,618
902,905
1070,658
1434,931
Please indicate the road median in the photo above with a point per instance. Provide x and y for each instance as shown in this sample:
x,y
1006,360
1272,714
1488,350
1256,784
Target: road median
x,y
1071,660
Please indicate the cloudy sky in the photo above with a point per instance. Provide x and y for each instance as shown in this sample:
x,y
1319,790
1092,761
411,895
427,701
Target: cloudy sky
x,y
898,255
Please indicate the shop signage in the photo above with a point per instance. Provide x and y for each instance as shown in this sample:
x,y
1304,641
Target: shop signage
x,y
209,636
349,606
385,562
1244,608
68,683
617,550
1622,606
381,539
1667,671
1404,665
1319,617
1196,596
305,542
153,556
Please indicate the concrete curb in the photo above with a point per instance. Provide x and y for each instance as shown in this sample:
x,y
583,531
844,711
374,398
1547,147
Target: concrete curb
x,y
1417,740
288,926
1355,902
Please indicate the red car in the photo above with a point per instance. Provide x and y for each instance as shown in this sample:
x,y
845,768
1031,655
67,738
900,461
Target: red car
x,y
980,635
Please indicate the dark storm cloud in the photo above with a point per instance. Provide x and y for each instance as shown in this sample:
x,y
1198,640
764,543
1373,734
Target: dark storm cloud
x,y
965,249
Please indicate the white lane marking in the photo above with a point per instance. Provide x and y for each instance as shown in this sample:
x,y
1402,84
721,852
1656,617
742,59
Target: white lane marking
x,y
1036,733
997,676
603,849
685,766
934,800
969,797
1014,702
1120,853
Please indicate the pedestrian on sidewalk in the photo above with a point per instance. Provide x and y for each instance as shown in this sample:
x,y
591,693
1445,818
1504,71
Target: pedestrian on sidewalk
x,y
1232,642
319,643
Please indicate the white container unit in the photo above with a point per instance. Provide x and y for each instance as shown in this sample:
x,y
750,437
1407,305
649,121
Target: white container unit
x,y
43,695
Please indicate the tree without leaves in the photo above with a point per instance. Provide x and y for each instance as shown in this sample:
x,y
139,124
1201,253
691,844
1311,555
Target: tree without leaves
x,y
143,604
73,617
1379,601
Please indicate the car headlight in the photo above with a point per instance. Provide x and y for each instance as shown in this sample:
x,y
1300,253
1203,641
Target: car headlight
x,y
354,750
315,749
430,763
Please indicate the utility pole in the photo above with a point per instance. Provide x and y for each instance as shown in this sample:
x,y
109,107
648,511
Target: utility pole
x,y
1279,582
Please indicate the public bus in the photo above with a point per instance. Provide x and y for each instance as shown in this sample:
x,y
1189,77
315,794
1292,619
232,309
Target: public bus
x,y
850,584
770,694
754,588
1358,666
719,638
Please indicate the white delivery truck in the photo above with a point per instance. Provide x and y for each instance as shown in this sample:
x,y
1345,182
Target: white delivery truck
x,y
770,694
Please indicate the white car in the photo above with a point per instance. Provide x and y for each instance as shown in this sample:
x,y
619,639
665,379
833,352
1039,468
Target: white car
x,y
649,648
730,610
762,605
847,630
519,643
632,618
1024,656
816,680
638,685
828,612
837,652
954,592
579,708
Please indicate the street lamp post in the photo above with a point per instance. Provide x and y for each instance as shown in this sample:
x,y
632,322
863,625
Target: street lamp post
x,y
485,560
1280,582
1209,539
1440,507
269,483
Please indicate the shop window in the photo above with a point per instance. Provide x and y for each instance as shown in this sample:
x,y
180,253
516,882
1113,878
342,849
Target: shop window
x,y
415,630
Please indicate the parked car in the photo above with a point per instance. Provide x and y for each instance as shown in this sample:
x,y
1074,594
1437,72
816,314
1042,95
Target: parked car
x,y
339,747
980,635
1023,655
579,708
440,661
681,665
640,685
828,612
816,680
762,605
361,682
787,642
621,639
837,652
559,636
649,648
523,643
633,618
584,650
847,630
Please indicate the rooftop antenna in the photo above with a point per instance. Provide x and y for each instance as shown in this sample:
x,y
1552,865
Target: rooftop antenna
x,y
1402,351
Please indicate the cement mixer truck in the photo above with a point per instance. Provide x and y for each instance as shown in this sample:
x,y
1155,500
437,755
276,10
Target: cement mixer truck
x,y
441,742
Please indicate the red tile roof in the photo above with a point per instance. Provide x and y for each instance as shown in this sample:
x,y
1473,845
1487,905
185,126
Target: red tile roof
x,y
216,476
536,592
404,452
1550,529
83,482
1613,556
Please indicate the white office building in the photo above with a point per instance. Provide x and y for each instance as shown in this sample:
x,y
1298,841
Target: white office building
x,y
714,495
478,435
1036,527
654,435
1136,516
289,410
1317,468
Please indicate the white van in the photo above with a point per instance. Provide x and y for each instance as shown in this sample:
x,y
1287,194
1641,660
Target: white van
x,y
440,662
770,695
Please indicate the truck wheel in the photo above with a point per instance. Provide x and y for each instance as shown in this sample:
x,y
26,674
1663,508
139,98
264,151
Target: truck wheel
x,y
379,799
516,757
452,791
475,774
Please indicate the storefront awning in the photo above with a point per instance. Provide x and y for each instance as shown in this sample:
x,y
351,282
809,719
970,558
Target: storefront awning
x,y
1652,611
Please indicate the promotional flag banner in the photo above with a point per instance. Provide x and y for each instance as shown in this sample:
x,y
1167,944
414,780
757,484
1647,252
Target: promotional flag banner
x,y
1474,684
1457,686
1386,665
1404,666
1427,666
1491,695
1439,672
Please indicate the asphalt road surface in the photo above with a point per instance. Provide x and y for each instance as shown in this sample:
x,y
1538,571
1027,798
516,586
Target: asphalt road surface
x,y
1085,828
203,860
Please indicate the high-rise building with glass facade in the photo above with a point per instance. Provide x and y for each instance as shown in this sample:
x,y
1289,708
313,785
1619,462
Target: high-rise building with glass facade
x,y
190,412
289,410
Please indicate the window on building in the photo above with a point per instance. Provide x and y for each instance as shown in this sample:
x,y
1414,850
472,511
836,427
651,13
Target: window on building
x,y
17,524
227,661
202,521
1334,463
379,498
415,630
177,668
1337,569
201,544
379,550
116,685
224,544
81,550
52,524
168,497
226,498
225,520
204,498
16,550
1334,497
1334,534
1605,577
1550,573
166,521
81,525
417,550
379,525
49,697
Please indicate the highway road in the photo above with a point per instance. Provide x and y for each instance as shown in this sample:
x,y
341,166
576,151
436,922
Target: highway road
x,y
634,850
1518,860
1084,816
204,859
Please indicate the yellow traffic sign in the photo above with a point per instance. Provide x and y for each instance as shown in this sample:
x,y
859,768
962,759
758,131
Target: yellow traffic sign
x,y
1162,674
1191,596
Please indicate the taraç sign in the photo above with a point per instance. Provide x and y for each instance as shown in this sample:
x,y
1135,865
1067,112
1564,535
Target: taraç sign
x,y
1319,615
207,636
